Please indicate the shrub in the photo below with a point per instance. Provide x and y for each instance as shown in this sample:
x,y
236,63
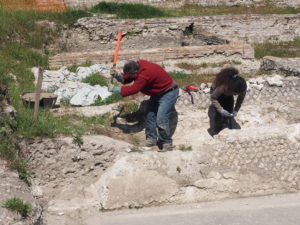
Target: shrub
x,y
95,79
111,99
129,10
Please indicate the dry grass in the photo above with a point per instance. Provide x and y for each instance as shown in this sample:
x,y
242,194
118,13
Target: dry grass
x,y
184,79
188,66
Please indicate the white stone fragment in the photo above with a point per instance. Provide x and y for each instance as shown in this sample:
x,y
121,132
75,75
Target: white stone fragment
x,y
275,80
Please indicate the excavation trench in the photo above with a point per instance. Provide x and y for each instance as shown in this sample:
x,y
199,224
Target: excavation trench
x,y
105,174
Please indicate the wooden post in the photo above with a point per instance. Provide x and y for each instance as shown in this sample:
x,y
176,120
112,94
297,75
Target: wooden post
x,y
38,95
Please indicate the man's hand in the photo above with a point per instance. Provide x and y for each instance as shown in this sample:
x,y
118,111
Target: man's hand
x,y
114,89
110,87
113,72
225,113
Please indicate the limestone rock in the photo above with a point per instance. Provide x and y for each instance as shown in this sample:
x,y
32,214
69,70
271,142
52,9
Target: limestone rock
x,y
275,80
286,65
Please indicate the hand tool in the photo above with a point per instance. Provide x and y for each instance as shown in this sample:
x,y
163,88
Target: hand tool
x,y
116,53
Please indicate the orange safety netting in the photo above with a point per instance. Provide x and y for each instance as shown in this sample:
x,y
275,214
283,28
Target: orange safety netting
x,y
35,5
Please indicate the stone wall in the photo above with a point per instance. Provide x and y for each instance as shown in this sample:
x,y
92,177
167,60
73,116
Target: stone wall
x,y
178,3
289,66
249,162
273,152
96,33
256,160
253,161
162,3
262,89
236,50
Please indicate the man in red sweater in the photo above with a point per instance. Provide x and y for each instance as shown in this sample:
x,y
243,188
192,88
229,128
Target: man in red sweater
x,y
151,79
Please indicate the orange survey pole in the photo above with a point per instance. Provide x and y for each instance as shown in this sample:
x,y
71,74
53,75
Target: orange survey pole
x,y
117,52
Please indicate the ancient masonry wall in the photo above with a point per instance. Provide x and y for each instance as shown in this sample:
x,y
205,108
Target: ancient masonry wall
x,y
248,162
178,3
236,163
255,161
162,3
93,34
235,50
259,90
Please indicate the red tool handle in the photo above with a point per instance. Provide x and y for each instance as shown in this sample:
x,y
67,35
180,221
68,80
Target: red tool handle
x,y
117,48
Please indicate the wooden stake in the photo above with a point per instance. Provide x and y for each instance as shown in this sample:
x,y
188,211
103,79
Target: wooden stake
x,y
38,95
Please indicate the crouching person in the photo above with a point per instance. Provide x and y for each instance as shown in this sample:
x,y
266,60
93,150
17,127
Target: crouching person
x,y
222,111
151,79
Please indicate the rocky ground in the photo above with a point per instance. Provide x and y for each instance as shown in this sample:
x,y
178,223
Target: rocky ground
x,y
11,186
109,173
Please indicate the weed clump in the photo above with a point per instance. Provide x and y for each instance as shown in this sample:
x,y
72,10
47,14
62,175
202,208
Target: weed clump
x,y
129,10
278,49
18,205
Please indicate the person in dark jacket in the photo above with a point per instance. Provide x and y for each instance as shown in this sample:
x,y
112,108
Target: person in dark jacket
x,y
227,84
151,79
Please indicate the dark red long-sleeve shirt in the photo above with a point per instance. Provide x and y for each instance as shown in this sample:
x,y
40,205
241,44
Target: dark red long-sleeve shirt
x,y
152,79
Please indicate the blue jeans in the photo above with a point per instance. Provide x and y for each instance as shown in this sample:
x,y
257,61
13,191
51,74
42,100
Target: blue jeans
x,y
158,117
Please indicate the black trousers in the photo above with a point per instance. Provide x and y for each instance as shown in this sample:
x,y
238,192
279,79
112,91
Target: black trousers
x,y
218,122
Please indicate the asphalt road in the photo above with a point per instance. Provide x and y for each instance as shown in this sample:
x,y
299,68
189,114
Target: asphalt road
x,y
268,210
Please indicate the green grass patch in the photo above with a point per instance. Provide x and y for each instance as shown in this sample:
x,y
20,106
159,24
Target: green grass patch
x,y
95,79
18,205
77,140
8,143
15,60
135,149
257,8
278,49
111,99
184,79
104,120
129,10
21,25
130,107
136,140
185,148
47,125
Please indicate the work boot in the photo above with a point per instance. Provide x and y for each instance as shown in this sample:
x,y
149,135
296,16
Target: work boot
x,y
166,147
149,144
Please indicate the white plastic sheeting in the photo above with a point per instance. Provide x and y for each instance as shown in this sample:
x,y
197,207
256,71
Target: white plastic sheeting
x,y
67,84
89,94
